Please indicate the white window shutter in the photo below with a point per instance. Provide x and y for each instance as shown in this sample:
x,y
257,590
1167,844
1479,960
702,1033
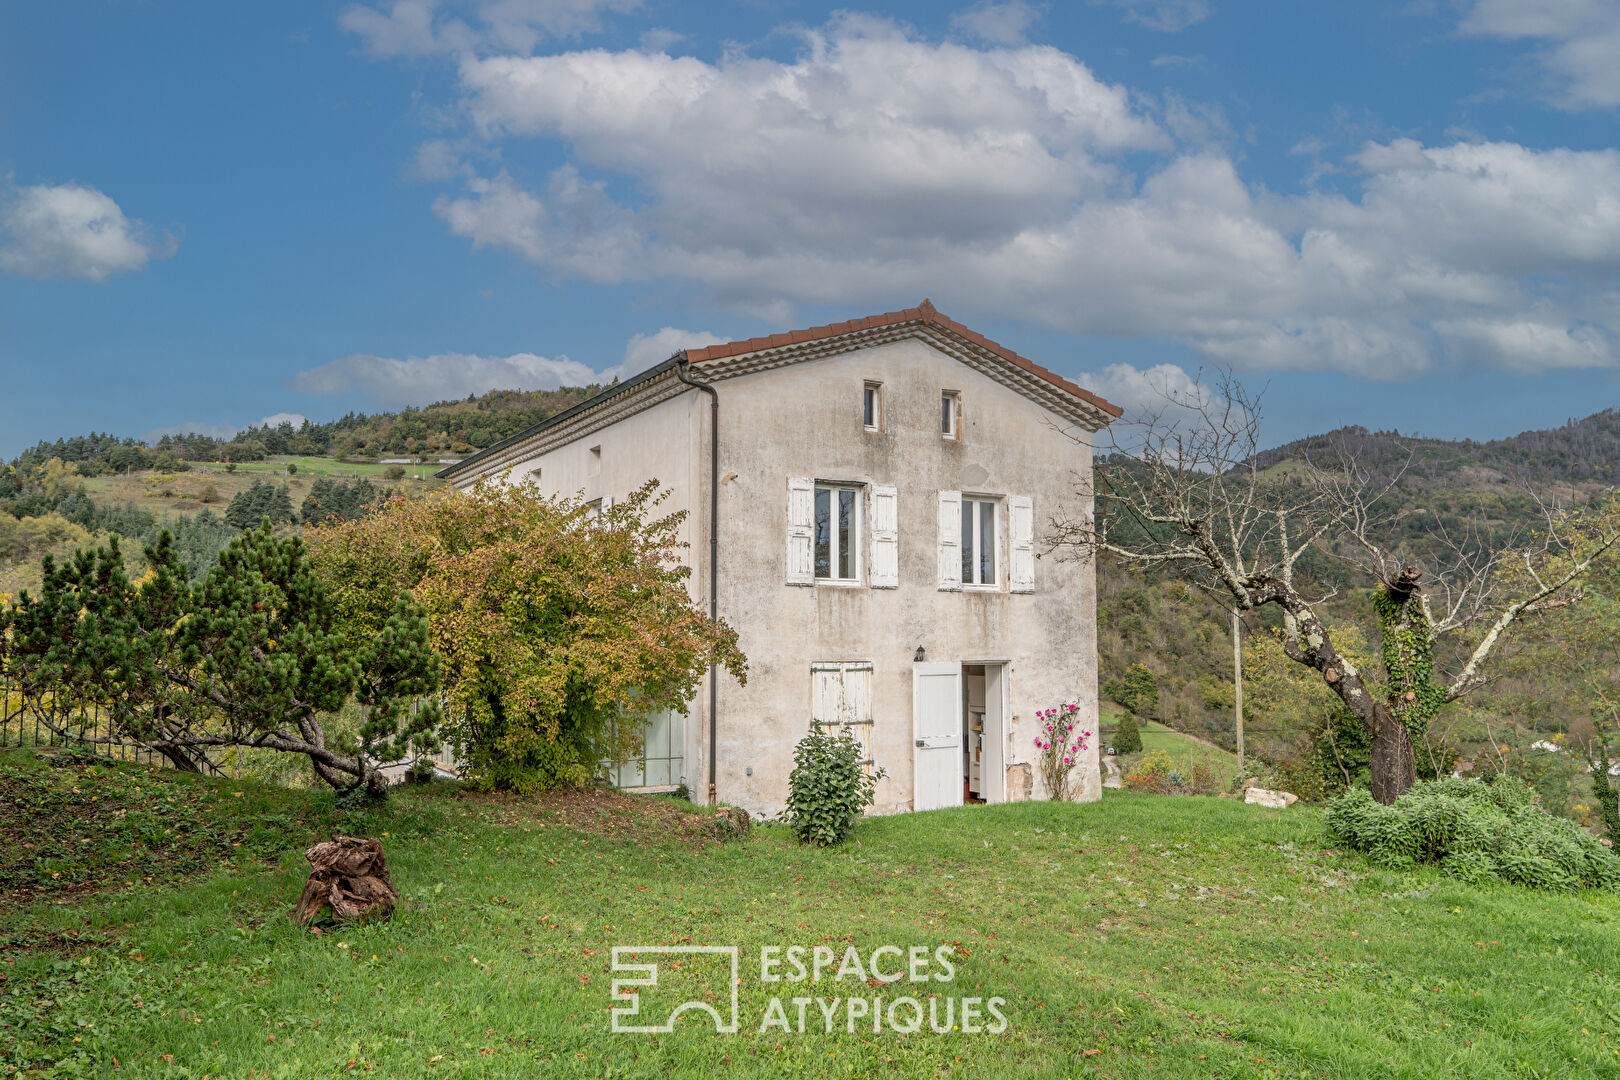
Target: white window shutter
x,y
1021,561
858,706
950,540
885,531
801,522
826,696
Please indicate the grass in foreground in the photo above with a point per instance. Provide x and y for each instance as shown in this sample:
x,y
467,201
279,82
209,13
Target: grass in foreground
x,y
1140,936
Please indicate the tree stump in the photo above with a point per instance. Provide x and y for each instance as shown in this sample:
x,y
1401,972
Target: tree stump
x,y
349,879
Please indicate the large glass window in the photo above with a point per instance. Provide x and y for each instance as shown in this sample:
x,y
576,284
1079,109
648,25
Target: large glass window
x,y
837,532
978,541
660,763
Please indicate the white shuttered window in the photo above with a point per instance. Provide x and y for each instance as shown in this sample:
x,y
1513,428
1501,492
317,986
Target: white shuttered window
x,y
801,520
1021,526
950,540
885,564
841,700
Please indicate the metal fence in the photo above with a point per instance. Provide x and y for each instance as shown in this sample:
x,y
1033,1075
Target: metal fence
x,y
21,727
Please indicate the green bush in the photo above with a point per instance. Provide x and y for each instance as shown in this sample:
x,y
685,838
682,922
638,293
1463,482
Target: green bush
x,y
828,789
1137,690
1127,737
1475,832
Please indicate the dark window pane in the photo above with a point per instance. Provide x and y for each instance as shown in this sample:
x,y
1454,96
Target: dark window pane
x,y
967,541
871,407
945,415
823,533
846,534
987,543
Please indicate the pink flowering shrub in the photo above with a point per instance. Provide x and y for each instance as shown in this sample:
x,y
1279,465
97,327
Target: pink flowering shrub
x,y
1061,746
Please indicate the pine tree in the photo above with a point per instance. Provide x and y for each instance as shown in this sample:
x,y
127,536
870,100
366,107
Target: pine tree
x,y
1128,737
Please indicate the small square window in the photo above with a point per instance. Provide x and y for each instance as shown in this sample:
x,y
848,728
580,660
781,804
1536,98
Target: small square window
x,y
949,407
872,406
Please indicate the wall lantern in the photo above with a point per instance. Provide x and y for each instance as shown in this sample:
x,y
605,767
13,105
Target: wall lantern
x,y
920,657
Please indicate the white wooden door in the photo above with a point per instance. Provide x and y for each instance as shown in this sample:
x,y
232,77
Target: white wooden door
x,y
937,723
993,765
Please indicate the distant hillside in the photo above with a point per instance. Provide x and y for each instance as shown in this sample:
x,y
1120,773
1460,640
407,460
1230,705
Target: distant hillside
x,y
1581,452
448,428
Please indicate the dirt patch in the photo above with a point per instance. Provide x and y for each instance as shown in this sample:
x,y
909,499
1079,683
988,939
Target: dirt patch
x,y
616,816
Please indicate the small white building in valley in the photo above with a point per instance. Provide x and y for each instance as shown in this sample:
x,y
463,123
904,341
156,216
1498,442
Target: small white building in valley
x,y
867,502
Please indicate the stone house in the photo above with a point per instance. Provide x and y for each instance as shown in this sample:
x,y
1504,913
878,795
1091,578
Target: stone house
x,y
865,505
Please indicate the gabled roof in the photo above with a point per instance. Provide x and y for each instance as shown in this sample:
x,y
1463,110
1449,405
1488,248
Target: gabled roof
x,y
924,312
740,357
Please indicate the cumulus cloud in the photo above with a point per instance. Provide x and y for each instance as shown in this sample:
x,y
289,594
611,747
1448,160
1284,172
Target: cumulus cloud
x,y
998,23
421,380
645,350
1166,15
874,167
1581,43
68,230
421,27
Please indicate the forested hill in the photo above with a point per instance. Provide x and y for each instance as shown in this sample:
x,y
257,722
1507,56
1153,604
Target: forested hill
x,y
448,428
1580,452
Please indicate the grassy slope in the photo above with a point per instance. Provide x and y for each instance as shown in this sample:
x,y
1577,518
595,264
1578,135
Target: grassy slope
x,y
1179,937
1183,749
145,489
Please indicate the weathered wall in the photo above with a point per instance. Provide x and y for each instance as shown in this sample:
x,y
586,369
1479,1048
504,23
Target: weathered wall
x,y
805,420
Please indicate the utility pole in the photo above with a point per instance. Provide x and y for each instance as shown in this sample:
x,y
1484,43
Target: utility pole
x,y
1237,688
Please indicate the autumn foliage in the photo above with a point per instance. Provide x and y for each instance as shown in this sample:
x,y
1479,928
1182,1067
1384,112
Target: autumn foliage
x,y
559,624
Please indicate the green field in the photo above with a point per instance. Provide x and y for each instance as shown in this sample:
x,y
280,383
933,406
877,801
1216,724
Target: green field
x,y
1184,750
1138,937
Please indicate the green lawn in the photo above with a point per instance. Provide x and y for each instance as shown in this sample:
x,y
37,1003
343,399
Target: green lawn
x,y
1184,750
1137,937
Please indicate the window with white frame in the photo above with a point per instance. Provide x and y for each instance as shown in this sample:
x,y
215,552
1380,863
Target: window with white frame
x,y
837,532
872,406
978,540
841,700
660,761
949,413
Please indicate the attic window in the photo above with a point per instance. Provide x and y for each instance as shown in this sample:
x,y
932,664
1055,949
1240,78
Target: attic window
x,y
872,406
949,406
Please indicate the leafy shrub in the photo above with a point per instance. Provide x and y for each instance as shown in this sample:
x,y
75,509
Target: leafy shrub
x,y
1151,774
828,790
1137,690
1127,737
1475,832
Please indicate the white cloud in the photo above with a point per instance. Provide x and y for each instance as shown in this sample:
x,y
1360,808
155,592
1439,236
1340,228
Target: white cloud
x,y
1167,15
223,431
1142,390
421,380
422,27
1582,42
67,230
1003,23
875,167
645,350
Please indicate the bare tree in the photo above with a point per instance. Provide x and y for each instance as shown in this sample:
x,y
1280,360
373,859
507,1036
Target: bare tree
x,y
1185,492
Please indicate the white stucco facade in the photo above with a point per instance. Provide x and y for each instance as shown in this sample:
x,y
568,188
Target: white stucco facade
x,y
792,413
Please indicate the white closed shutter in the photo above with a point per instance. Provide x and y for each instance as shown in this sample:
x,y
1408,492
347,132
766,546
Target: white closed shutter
x,y
885,529
801,520
950,540
841,701
1021,526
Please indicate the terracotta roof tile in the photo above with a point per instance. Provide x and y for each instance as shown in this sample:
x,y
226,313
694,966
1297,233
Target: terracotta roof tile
x,y
923,313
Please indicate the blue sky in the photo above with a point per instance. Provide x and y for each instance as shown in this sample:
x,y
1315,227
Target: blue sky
x,y
1396,214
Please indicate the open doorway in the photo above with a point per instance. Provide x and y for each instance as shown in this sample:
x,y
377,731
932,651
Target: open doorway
x,y
961,733
984,778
